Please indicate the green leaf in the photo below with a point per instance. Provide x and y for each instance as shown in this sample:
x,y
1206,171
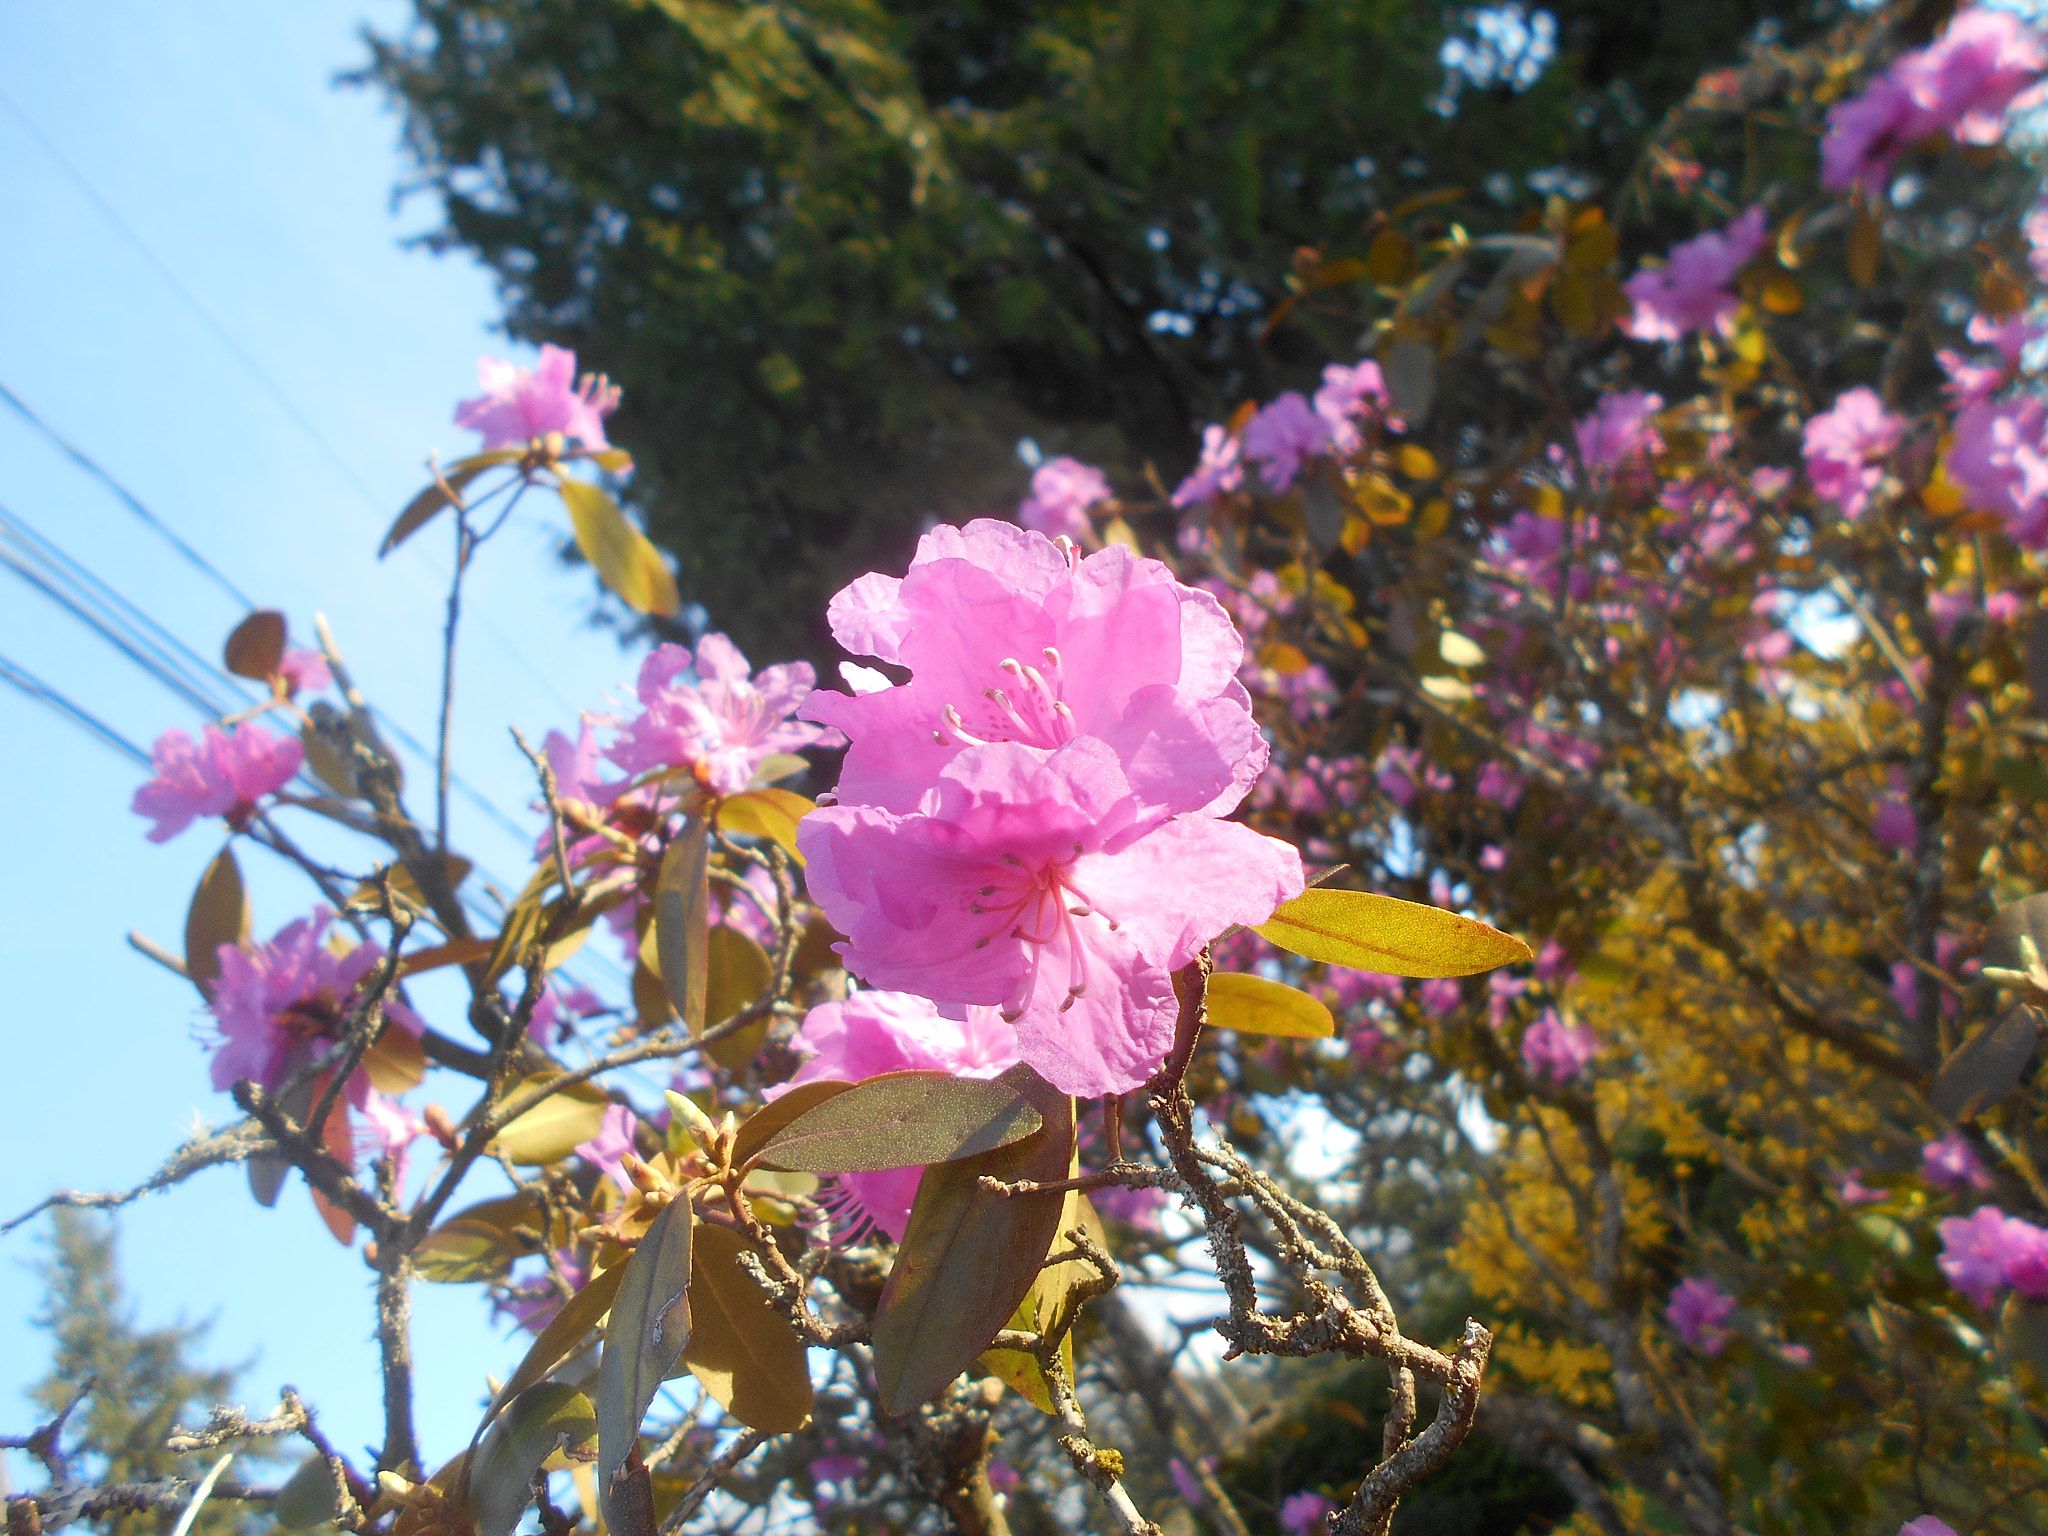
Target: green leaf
x,y
741,1346
969,1257
650,1326
422,509
543,1420
902,1120
481,1242
737,973
762,1125
306,1501
554,1127
219,915
1382,933
766,813
1252,1005
1050,1305
562,1338
682,921
627,563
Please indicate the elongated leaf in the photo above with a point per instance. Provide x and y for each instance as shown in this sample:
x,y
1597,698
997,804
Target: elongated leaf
x,y
306,1502
649,1328
968,1256
539,1422
1382,933
553,1128
396,1063
256,645
741,1346
776,767
772,1117
455,952
481,1242
1252,1005
769,813
737,972
562,1338
682,921
626,562
422,508
902,1120
219,915
1050,1305
1983,1074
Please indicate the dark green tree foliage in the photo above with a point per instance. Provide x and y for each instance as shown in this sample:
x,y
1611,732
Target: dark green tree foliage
x,y
139,1384
843,255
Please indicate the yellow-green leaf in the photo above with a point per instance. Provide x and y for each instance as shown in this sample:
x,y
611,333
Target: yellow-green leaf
x,y
219,915
549,1418
650,1326
760,1129
553,1128
395,1063
1382,933
1252,1005
562,1337
741,1346
769,813
1050,1306
902,1120
627,563
682,921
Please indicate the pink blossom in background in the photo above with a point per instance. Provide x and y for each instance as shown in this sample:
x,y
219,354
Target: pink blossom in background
x,y
607,1149
1987,1251
283,1004
1002,1476
2003,607
520,404
1346,394
1851,1190
1185,1483
1905,988
388,1131
1500,784
1952,1164
1559,1051
1867,134
556,1015
723,722
1301,1513
1399,768
1440,996
1698,1310
532,1303
1044,885
875,1032
1285,431
2035,227
1926,1525
1795,1354
1894,824
1062,491
1008,640
1948,607
1501,992
2009,337
1618,428
1841,444
1138,1208
1553,963
1493,858
222,774
304,671
2000,459
1690,291
1216,473
1968,383
844,1469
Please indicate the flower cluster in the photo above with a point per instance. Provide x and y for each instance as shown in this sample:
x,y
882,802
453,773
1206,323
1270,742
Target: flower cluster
x,y
1697,1311
224,773
1988,1252
521,404
1034,820
1690,291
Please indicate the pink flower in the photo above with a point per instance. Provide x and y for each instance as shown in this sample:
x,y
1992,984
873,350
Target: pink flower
x,y
1499,784
1493,858
533,1303
1840,445
1138,1208
221,774
556,1014
1978,1250
1926,1525
389,1130
1185,1483
1795,1354
2009,337
1553,963
1347,394
1867,134
1690,291
1047,885
876,1032
1400,767
2000,460
1217,472
520,404
1285,431
1618,428
1440,996
1951,1163
723,723
2002,607
304,671
2035,228
1949,607
1301,1513
607,1149
1559,1051
1894,825
1062,491
281,1005
1007,639
1851,1190
1697,1310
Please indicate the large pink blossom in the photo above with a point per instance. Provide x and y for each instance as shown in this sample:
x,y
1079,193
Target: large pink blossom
x,y
1285,431
520,404
222,774
1952,1163
876,1032
1346,395
1217,472
1927,1525
713,714
1690,291
1961,85
1698,1310
2000,459
284,1004
1062,491
1009,638
1047,886
1845,448
1988,1251
1619,427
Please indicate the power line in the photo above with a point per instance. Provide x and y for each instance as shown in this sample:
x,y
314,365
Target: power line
x,y
27,682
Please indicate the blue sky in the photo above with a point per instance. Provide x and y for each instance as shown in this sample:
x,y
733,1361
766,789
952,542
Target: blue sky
x,y
216,136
